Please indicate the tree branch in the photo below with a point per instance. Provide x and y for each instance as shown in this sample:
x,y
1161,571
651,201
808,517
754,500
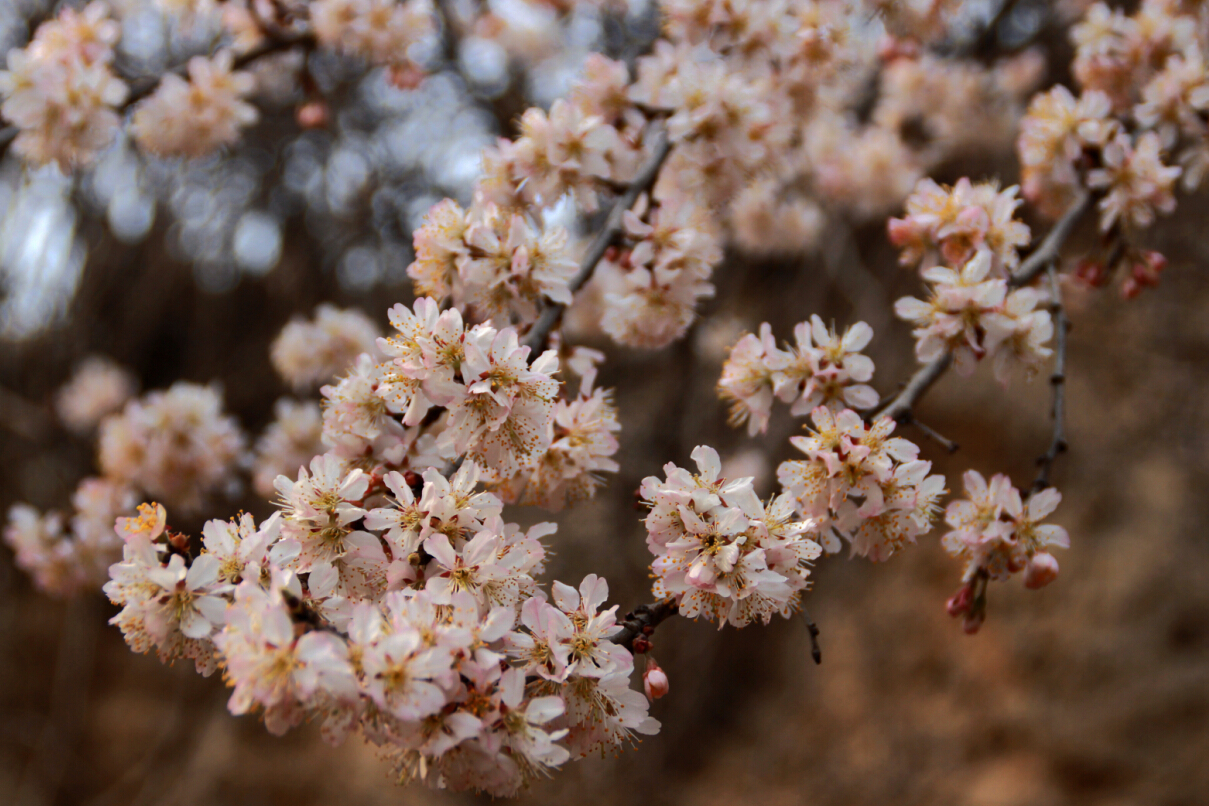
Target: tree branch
x,y
1047,252
1057,443
642,621
540,332
901,406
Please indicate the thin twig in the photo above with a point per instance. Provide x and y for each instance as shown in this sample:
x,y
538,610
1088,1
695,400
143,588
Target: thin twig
x,y
1047,252
816,651
931,433
660,147
450,35
643,621
901,406
1057,380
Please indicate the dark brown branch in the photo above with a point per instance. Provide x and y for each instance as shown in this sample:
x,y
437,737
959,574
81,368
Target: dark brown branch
x,y
1057,380
450,30
900,407
642,622
1047,252
660,147
816,651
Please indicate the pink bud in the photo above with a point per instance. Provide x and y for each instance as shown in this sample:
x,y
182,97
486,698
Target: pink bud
x,y
654,680
960,602
1042,569
973,621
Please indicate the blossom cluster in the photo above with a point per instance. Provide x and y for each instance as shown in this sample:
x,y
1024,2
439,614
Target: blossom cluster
x,y
861,484
997,533
1137,125
973,315
498,263
175,445
61,91
721,552
953,224
821,369
311,352
195,117
412,617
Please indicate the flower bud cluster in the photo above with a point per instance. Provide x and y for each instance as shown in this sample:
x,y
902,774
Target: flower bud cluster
x,y
821,369
61,92
721,552
859,483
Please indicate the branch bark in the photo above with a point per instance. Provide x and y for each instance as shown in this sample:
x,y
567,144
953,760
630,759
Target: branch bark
x,y
642,621
1057,380
660,147
1047,252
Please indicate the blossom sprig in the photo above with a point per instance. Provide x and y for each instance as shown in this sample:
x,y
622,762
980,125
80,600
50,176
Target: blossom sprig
x,y
1138,126
954,223
421,663
859,483
61,92
998,533
196,117
719,551
974,316
176,445
821,368
500,262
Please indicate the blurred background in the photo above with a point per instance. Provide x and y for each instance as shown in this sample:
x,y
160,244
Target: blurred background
x,y
1094,690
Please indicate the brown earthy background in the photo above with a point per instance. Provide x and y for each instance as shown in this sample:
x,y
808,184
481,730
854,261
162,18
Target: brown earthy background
x,y
1092,691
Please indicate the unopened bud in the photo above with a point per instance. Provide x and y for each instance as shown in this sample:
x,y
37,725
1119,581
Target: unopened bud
x,y
960,602
654,680
1042,569
312,115
973,621
179,541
